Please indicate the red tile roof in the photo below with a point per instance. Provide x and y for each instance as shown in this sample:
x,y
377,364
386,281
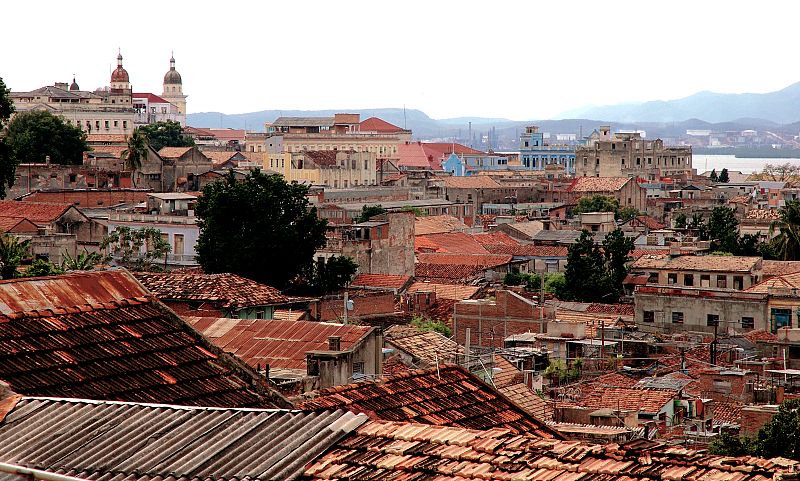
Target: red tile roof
x,y
381,280
447,148
443,396
17,225
495,238
444,291
779,268
151,98
622,309
413,155
478,260
533,403
637,253
447,273
173,152
449,242
598,184
323,158
649,222
131,349
228,290
374,124
629,399
384,450
281,344
727,411
288,315
37,212
471,182
527,250
437,224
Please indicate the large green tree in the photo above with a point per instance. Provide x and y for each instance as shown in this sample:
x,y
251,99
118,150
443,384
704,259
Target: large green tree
x,y
779,437
166,134
723,229
12,252
36,135
786,243
8,164
261,227
368,211
330,275
596,203
136,150
595,273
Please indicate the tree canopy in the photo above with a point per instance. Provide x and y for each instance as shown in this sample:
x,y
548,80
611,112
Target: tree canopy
x,y
723,176
369,211
723,229
595,273
35,135
329,275
779,437
137,249
596,203
261,227
786,244
8,164
165,134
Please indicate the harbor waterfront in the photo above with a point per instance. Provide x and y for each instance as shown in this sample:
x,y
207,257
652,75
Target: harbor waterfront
x,y
745,165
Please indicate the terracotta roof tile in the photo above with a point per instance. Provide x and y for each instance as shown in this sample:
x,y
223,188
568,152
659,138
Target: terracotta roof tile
x,y
787,282
699,263
443,396
598,184
479,260
727,411
374,124
450,242
173,152
413,155
381,280
528,250
229,290
471,182
383,450
437,224
444,291
281,344
643,400
427,348
495,238
37,212
123,349
449,147
528,400
649,222
779,268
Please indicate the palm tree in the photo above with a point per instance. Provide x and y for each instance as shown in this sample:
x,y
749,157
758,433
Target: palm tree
x,y
85,261
136,152
787,242
12,251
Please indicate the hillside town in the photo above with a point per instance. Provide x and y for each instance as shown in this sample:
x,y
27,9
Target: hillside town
x,y
336,298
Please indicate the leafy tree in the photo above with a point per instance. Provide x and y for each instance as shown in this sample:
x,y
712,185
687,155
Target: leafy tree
x,y
136,151
12,252
166,134
416,210
331,275
723,176
85,261
786,244
698,225
594,274
8,163
723,229
680,221
713,177
41,268
596,203
136,249
781,435
627,213
35,135
727,444
778,172
369,211
554,282
261,227
427,324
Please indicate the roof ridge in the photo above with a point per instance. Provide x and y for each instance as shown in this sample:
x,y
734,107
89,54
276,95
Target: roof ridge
x,y
60,311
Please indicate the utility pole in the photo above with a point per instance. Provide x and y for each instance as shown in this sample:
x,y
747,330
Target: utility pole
x,y
345,307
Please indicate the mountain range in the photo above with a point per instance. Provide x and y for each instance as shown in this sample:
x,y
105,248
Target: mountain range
x,y
665,119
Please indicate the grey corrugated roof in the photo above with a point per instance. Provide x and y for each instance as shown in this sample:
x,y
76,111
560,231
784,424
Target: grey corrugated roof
x,y
105,440
303,122
567,236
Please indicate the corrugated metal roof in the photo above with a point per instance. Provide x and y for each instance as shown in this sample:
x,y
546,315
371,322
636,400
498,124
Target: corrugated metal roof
x,y
74,289
142,442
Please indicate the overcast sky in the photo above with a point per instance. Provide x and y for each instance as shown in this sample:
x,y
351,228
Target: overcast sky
x,y
522,60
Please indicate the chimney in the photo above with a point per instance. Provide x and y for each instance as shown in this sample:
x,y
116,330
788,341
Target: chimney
x,y
334,343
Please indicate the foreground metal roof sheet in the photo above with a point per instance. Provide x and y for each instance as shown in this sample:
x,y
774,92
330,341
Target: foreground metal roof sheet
x,y
99,440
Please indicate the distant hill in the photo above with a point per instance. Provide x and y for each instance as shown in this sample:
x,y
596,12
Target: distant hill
x,y
779,107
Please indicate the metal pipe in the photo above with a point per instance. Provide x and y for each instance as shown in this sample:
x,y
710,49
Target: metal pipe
x,y
35,473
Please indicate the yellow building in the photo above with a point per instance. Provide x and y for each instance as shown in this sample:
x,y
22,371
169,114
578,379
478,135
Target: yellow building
x,y
331,168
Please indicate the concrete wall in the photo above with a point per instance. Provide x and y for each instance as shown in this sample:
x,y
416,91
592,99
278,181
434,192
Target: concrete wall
x,y
696,305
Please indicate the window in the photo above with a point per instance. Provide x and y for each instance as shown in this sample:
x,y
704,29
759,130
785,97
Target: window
x,y
653,278
649,317
712,320
124,124
677,318
748,323
738,282
358,367
259,314
672,278
116,123
722,282
705,280
177,248
688,279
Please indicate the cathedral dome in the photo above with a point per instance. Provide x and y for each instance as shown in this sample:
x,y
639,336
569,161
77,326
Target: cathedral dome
x,y
172,77
74,85
119,75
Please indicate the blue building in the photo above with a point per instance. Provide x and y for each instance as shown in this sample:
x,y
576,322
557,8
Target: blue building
x,y
468,164
534,154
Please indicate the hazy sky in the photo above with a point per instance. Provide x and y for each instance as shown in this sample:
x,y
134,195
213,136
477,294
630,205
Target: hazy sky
x,y
522,60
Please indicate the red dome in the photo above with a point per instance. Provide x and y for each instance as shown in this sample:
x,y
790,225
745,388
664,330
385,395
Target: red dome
x,y
119,75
